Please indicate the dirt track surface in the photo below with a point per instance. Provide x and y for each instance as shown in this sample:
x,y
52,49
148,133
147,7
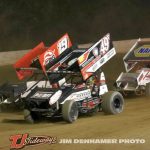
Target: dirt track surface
x,y
133,123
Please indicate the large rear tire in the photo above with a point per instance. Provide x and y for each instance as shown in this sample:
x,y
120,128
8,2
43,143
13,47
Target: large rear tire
x,y
113,103
70,111
147,90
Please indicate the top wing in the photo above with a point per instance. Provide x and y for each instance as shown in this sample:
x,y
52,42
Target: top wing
x,y
140,52
44,56
96,56
54,51
27,60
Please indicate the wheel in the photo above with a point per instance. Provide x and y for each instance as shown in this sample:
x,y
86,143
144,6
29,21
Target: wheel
x,y
113,103
147,90
70,111
30,117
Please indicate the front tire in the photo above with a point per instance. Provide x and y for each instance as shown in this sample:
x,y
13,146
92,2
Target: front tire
x,y
113,103
70,111
147,90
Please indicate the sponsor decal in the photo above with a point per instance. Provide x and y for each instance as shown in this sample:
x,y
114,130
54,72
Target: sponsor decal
x,y
20,141
94,66
79,96
48,57
144,77
143,51
102,60
83,58
42,95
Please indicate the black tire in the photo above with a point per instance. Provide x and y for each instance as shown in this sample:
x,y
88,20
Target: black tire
x,y
70,111
31,117
113,103
147,91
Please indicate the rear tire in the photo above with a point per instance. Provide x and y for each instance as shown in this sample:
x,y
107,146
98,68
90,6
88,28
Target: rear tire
x,y
113,103
70,111
147,90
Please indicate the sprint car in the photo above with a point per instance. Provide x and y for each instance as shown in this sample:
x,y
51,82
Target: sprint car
x,y
73,81
137,64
